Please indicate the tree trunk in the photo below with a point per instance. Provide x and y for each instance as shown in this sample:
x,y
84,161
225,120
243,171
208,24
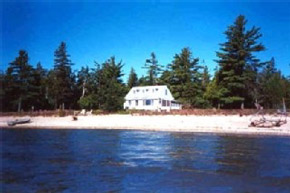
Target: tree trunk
x,y
19,104
84,90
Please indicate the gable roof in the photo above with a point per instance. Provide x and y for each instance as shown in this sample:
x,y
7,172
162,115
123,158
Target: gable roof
x,y
149,92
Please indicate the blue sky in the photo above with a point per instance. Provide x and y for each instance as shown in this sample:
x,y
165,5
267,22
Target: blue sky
x,y
131,31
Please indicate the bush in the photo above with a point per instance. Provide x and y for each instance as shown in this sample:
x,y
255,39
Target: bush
x,y
123,112
88,102
98,112
61,113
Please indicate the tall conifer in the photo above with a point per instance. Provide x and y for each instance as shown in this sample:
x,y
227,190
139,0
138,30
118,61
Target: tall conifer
x,y
63,77
238,67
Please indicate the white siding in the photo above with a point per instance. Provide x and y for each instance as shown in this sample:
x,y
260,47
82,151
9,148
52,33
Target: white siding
x,y
150,98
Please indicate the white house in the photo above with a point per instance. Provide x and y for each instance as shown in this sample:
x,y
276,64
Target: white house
x,y
150,98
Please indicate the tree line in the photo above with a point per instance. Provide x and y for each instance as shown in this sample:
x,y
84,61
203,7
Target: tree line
x,y
239,81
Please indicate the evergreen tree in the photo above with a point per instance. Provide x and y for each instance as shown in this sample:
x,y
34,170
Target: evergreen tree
x,y
39,86
237,76
205,77
186,80
272,86
100,81
63,79
153,69
165,78
83,81
287,97
3,107
19,91
143,81
213,94
111,85
86,85
133,79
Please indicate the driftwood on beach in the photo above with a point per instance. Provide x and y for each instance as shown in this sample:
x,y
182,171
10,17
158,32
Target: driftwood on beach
x,y
18,121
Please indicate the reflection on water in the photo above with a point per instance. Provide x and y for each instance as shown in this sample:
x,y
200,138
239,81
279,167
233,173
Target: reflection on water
x,y
136,161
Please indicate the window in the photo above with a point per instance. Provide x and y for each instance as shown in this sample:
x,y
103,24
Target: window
x,y
137,90
163,103
129,103
136,102
147,90
156,89
166,92
148,102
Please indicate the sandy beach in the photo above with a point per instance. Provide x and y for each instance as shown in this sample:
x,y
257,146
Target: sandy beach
x,y
232,124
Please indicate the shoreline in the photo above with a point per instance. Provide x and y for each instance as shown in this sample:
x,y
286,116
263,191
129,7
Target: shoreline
x,y
212,124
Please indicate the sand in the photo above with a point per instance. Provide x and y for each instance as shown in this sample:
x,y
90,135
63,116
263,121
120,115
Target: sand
x,y
222,124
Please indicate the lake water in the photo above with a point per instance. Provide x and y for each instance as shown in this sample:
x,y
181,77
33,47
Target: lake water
x,y
87,161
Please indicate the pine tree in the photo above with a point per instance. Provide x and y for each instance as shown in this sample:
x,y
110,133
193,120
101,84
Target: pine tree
x,y
83,81
153,69
87,89
238,66
3,106
100,81
272,86
39,86
62,84
186,80
111,85
143,81
133,79
205,77
165,78
19,77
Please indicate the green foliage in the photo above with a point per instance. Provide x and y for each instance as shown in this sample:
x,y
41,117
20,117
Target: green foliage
x,y
165,78
63,79
287,95
133,79
112,90
273,87
21,84
88,102
153,70
40,87
123,112
185,79
238,67
98,112
214,93
143,81
2,91
205,77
